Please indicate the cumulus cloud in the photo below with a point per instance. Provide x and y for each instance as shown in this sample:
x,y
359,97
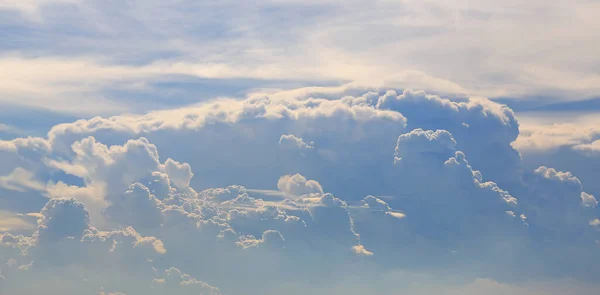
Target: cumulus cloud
x,y
137,208
564,142
421,140
62,218
392,182
298,185
561,186
360,250
179,174
588,200
538,133
66,249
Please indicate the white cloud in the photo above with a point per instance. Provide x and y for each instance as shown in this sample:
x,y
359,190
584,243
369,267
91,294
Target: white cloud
x,y
311,190
298,185
437,208
360,250
553,131
289,141
593,147
464,48
588,200
64,248
551,173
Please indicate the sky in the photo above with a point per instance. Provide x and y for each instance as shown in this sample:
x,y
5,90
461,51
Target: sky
x,y
299,147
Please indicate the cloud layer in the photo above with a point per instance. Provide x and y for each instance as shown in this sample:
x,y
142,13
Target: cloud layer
x,y
305,190
143,55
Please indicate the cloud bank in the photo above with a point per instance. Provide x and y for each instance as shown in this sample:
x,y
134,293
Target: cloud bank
x,y
300,191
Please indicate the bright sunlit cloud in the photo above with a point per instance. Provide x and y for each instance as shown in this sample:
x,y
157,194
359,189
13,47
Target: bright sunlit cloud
x,y
299,147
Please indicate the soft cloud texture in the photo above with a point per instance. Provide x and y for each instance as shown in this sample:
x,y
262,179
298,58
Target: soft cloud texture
x,y
169,51
278,147
566,142
207,199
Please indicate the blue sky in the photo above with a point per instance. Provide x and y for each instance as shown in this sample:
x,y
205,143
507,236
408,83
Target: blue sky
x,y
299,147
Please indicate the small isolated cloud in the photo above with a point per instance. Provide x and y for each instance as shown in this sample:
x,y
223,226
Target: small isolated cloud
x,y
289,141
360,250
298,185
588,200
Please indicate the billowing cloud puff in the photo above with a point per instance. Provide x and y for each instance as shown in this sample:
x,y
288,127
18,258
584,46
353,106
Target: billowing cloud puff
x,y
588,200
179,174
137,208
117,166
350,132
566,207
62,218
567,146
479,126
158,184
297,185
438,142
66,249
288,190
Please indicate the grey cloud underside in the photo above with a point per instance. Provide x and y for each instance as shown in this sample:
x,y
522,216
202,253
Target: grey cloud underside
x,y
255,195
